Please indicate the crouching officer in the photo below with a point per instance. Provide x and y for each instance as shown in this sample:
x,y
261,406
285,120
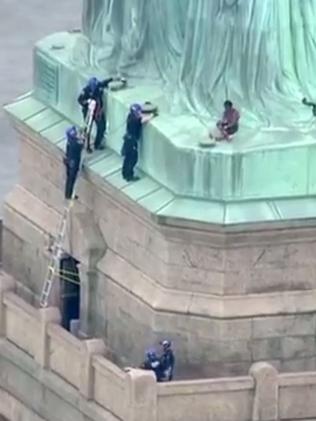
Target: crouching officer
x,y
167,360
72,159
152,362
94,90
134,124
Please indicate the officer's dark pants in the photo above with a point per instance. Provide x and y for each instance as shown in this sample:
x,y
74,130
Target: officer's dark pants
x,y
130,160
71,176
101,127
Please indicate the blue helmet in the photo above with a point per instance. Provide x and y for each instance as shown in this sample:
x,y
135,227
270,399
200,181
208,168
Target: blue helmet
x,y
72,133
93,83
151,354
136,109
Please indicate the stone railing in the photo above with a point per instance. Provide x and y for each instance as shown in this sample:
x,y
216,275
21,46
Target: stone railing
x,y
134,395
128,395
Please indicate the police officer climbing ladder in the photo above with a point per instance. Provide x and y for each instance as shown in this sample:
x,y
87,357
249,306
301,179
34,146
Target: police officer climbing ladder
x,y
74,162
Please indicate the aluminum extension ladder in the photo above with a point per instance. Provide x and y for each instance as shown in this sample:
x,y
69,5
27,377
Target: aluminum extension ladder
x,y
57,249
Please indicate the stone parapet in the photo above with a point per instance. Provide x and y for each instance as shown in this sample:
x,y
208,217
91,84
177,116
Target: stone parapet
x,y
239,328
61,362
227,295
80,363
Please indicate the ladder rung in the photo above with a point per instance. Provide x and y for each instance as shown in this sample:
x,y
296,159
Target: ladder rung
x,y
47,286
46,291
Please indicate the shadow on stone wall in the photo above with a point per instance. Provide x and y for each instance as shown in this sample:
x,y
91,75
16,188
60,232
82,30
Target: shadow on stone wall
x,y
0,242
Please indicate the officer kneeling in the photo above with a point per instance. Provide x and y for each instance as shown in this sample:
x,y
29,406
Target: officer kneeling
x,y
72,159
152,362
162,366
134,125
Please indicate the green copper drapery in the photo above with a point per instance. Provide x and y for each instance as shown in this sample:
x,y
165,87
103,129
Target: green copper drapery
x,y
259,53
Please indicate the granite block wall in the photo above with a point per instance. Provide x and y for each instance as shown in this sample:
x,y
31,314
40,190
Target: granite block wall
x,y
226,297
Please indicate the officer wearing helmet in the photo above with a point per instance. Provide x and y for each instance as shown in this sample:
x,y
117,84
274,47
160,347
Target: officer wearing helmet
x,y
152,362
167,360
72,159
94,90
134,124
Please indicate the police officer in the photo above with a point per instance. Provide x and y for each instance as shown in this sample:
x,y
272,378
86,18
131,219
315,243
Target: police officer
x,y
72,159
167,360
134,124
94,90
152,363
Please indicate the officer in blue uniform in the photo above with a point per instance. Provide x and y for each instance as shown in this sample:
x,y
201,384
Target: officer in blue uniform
x,y
152,363
167,360
72,159
134,125
94,90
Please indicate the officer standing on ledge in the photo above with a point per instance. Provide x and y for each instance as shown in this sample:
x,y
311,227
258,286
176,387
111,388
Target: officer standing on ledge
x,y
134,124
72,160
94,90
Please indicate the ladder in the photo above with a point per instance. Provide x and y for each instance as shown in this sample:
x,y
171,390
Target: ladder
x,y
57,249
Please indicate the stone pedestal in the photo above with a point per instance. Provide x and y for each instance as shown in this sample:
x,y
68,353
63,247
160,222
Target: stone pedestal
x,y
226,295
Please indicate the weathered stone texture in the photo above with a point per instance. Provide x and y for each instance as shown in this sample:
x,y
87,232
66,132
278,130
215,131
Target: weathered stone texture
x,y
49,374
266,399
26,262
274,267
207,289
300,325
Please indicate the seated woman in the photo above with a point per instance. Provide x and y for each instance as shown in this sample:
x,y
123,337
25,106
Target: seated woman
x,y
228,125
